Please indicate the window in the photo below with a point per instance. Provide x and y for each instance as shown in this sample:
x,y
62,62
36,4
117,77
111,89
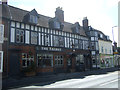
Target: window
x,y
86,44
33,19
72,43
27,37
19,36
12,35
56,41
39,38
59,60
92,39
80,44
18,25
97,47
27,59
13,24
101,35
1,61
51,40
1,33
44,60
93,52
105,51
61,41
22,25
76,43
57,25
102,49
92,45
33,37
47,41
42,39
27,26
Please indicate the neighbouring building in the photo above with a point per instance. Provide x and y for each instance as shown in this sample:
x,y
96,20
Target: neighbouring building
x,y
105,50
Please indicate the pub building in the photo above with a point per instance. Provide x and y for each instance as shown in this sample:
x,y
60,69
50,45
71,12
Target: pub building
x,y
54,45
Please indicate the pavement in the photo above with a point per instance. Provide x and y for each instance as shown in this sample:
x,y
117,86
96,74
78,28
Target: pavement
x,y
10,83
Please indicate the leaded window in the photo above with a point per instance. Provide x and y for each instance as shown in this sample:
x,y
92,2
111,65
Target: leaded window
x,y
33,37
47,40
27,59
19,36
44,60
59,60
56,41
61,41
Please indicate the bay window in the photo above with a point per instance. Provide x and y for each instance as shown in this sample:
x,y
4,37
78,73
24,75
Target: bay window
x,y
44,60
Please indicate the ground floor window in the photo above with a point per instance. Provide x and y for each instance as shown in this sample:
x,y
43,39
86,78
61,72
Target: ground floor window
x,y
44,60
1,60
59,60
27,59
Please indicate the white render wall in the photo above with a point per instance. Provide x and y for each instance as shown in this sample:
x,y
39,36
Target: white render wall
x,y
107,46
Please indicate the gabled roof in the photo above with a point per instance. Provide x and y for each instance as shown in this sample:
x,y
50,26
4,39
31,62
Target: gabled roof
x,y
18,14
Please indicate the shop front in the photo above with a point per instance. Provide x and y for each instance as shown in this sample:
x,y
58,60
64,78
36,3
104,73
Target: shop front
x,y
106,61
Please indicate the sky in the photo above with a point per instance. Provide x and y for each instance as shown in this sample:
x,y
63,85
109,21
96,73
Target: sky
x,y
102,14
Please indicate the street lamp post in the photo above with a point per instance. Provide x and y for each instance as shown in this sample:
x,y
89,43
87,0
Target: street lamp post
x,y
113,42
113,33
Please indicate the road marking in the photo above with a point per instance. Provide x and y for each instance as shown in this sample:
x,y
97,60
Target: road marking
x,y
109,82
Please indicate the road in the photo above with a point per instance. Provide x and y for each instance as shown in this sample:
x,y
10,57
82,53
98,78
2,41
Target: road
x,y
109,80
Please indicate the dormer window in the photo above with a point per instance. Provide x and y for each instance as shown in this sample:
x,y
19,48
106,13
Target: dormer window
x,y
101,35
33,19
56,25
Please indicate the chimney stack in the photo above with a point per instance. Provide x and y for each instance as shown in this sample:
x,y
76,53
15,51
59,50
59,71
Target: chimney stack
x,y
59,14
4,1
85,23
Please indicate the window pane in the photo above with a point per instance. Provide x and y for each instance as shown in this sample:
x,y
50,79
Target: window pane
x,y
33,37
12,36
27,37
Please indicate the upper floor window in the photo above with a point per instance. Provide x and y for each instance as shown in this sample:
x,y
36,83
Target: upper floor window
x,y
101,35
33,37
33,19
19,36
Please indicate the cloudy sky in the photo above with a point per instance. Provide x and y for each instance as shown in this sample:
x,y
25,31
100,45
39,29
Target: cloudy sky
x,y
102,14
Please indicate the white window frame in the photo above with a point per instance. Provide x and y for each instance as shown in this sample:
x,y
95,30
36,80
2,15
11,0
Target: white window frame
x,y
1,70
1,33
12,35
13,24
27,37
92,38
